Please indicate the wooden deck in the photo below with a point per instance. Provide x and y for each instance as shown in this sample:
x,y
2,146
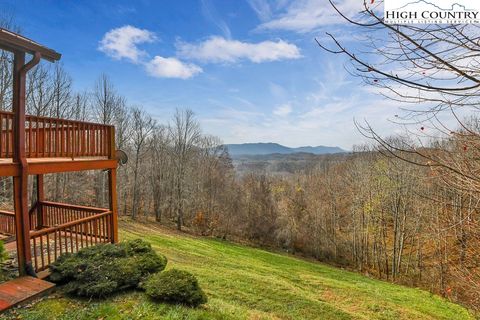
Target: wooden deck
x,y
69,146
55,165
22,290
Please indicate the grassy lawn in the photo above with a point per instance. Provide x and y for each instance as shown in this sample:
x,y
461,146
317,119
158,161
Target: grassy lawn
x,y
247,283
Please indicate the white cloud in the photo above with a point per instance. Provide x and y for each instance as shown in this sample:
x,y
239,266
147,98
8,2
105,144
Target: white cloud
x,y
219,49
307,15
122,42
283,110
171,68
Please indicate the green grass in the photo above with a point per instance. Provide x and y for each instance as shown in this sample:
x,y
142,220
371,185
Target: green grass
x,y
247,283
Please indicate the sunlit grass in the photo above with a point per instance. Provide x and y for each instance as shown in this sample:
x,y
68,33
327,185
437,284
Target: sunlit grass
x,y
247,283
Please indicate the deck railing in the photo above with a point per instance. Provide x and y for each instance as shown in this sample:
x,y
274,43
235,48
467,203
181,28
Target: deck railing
x,y
49,243
7,223
52,137
56,213
66,228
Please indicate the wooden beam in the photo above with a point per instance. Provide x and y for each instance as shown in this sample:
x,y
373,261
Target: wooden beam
x,y
68,166
14,42
9,170
40,167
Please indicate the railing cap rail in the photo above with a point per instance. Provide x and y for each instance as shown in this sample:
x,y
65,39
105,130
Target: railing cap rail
x,y
10,113
73,206
38,233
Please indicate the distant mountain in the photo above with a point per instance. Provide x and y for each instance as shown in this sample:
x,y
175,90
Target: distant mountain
x,y
270,148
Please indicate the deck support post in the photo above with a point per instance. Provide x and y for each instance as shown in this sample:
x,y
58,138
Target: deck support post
x,y
40,198
112,190
20,182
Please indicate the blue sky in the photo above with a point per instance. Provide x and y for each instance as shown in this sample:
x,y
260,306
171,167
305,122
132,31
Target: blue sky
x,y
250,70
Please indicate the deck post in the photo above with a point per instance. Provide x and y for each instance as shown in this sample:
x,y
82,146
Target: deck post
x,y
112,188
40,198
20,182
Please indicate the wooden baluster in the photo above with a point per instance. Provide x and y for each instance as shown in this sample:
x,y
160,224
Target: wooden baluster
x,y
76,237
69,143
57,138
41,252
60,241
82,229
49,144
7,137
104,228
35,253
91,232
29,155
44,138
71,239
37,138
74,139
48,249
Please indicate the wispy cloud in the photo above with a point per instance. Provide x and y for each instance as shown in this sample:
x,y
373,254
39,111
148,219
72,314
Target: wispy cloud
x,y
307,15
261,9
283,110
218,49
161,67
121,43
211,14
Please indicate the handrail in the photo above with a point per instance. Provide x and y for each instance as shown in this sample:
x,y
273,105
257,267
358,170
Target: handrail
x,y
52,118
7,213
38,233
73,206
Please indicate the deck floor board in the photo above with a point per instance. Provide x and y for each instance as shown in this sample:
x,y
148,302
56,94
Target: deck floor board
x,y
21,290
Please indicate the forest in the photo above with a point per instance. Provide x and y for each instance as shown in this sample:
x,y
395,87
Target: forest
x,y
403,208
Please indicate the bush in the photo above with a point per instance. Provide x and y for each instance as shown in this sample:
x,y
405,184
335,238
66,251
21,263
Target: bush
x,y
3,252
104,269
175,286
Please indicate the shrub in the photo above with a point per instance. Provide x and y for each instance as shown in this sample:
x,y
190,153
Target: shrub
x,y
104,269
3,252
175,286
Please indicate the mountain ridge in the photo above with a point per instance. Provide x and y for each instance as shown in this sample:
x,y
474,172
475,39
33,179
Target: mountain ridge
x,y
264,148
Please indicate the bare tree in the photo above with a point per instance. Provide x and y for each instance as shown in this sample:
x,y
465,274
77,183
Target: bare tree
x,y
142,127
61,93
160,175
105,100
105,103
185,135
39,91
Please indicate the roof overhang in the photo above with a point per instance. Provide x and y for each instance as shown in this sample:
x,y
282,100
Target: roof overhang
x,y
13,42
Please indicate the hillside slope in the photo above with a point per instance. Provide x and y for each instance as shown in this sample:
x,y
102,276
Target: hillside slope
x,y
247,283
